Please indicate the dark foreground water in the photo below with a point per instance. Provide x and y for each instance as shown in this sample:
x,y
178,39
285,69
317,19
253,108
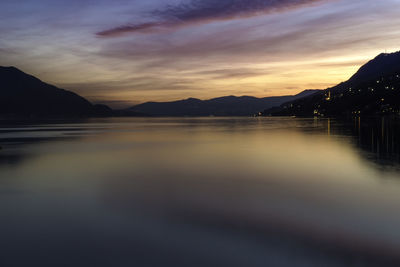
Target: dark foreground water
x,y
200,192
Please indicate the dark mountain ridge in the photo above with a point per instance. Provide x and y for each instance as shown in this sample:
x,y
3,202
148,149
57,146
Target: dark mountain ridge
x,y
373,90
383,65
221,106
24,95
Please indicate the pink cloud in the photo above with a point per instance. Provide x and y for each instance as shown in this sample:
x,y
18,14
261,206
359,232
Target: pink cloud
x,y
205,11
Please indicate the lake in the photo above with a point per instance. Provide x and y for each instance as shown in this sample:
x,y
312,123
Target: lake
x,y
200,192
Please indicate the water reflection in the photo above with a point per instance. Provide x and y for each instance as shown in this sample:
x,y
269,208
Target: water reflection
x,y
376,139
17,137
200,192
380,137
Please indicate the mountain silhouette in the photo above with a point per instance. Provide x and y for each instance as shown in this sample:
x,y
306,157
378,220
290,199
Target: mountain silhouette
x,y
383,65
221,106
373,90
24,95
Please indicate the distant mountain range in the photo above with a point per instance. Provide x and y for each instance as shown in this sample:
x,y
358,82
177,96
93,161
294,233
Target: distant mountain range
x,y
22,95
222,106
373,90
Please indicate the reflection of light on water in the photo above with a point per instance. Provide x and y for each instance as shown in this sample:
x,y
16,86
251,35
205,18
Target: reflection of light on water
x,y
329,127
290,172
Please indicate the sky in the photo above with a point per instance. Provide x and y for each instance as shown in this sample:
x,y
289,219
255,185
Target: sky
x,y
124,52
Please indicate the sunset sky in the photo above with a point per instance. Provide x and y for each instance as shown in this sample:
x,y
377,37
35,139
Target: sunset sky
x,y
123,52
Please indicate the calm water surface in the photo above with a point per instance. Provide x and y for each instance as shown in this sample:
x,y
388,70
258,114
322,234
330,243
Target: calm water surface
x,y
200,192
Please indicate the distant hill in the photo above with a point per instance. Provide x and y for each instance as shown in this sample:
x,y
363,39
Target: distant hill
x,y
373,90
24,95
222,106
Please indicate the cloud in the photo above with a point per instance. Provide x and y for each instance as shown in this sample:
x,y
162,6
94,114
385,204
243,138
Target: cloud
x,y
307,48
145,27
231,73
204,11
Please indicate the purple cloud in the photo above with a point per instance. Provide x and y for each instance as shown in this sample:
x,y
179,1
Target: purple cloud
x,y
144,27
203,11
